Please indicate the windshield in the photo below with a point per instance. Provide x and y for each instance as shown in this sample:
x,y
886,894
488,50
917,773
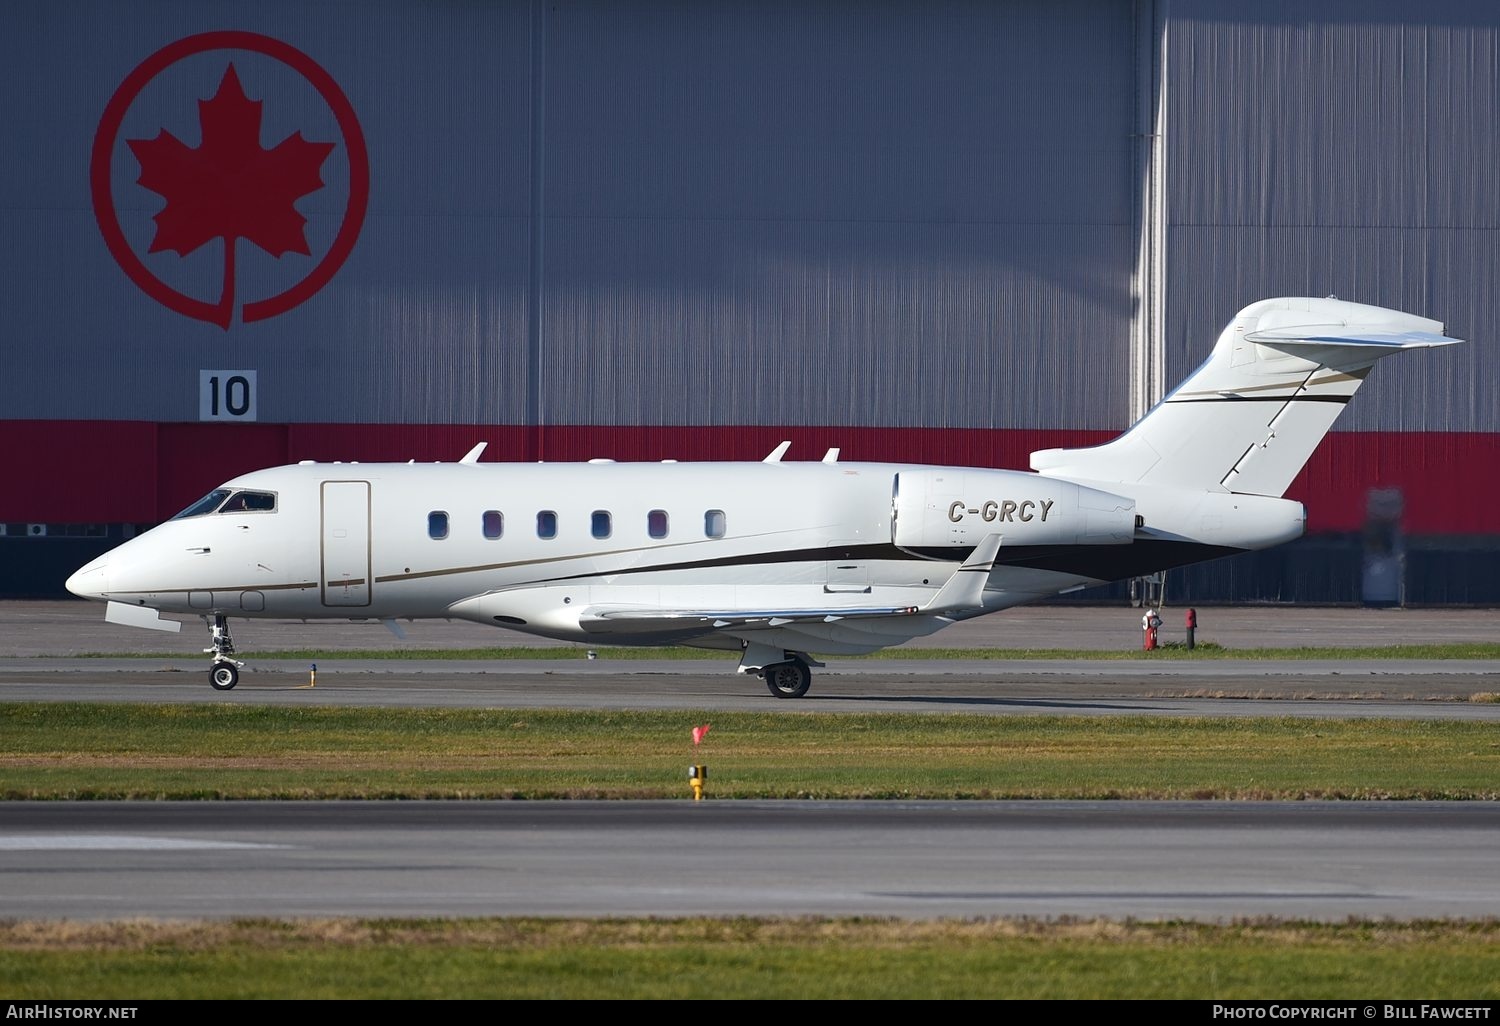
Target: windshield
x,y
207,504
250,502
238,502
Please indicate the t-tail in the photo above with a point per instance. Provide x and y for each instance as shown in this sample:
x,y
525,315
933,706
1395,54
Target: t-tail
x,y
1249,418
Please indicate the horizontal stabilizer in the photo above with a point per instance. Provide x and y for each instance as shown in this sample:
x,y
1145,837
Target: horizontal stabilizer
x,y
1329,335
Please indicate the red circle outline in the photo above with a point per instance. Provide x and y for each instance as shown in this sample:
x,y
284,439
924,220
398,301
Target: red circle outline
x,y
103,194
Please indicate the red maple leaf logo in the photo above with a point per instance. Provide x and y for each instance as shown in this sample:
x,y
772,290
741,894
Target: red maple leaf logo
x,y
230,188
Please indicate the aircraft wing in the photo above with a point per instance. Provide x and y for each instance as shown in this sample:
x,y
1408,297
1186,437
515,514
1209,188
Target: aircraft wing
x,y
630,619
963,592
622,612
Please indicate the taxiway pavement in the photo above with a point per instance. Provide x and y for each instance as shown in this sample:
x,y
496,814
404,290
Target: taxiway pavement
x,y
1211,861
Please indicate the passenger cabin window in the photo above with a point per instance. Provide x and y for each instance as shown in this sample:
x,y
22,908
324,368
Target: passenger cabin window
x,y
494,523
713,523
599,523
546,524
437,525
656,523
250,502
207,504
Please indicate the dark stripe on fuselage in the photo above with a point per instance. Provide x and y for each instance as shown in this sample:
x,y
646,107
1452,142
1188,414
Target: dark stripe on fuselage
x,y
1100,562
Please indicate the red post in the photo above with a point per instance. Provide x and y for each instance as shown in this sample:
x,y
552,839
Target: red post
x,y
1149,624
1192,626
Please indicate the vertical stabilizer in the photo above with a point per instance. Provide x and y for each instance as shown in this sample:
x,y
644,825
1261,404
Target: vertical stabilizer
x,y
1249,418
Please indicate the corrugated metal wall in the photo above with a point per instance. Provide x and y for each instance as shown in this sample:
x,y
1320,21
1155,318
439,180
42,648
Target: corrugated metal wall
x,y
868,214
1340,147
598,213
921,232
426,321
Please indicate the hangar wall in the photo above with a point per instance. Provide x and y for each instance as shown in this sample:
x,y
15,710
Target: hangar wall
x,y
1347,147
594,213
685,230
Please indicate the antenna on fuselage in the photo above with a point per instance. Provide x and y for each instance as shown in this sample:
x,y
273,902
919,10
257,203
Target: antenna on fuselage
x,y
778,452
472,456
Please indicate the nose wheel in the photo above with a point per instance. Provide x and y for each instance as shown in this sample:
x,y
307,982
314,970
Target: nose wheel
x,y
224,676
224,671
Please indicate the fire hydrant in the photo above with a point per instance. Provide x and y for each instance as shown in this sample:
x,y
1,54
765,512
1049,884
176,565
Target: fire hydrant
x,y
696,776
1150,623
1192,625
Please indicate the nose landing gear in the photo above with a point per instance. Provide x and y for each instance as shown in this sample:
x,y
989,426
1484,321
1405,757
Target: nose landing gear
x,y
224,671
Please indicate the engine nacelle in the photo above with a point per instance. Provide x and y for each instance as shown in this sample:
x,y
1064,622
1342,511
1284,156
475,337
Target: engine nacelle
x,y
956,508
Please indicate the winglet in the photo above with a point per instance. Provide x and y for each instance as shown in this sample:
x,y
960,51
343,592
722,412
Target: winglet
x,y
778,452
965,589
472,456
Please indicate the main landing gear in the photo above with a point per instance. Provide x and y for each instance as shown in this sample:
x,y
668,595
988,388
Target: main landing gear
x,y
789,679
787,672
224,671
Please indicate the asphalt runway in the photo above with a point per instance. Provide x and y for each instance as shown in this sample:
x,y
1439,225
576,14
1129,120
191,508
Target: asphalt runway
x,y
55,651
76,627
1211,862
937,686
1143,860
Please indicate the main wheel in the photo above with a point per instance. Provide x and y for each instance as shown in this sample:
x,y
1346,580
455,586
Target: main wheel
x,y
788,680
224,676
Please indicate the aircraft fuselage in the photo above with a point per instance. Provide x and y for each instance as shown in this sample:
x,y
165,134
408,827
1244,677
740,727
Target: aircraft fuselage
x,y
529,546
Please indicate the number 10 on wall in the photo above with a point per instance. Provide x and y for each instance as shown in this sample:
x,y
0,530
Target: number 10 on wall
x,y
226,395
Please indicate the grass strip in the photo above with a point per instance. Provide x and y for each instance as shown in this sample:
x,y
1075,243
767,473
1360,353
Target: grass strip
x,y
80,750
750,959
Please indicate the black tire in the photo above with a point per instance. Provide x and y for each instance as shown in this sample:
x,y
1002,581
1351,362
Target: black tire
x,y
223,676
788,680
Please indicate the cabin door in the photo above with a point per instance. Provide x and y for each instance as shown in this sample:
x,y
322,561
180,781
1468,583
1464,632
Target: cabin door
x,y
345,566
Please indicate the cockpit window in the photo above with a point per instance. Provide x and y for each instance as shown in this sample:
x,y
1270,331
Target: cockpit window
x,y
238,502
207,504
250,502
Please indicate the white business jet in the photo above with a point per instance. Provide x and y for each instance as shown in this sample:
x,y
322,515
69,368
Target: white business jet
x,y
776,560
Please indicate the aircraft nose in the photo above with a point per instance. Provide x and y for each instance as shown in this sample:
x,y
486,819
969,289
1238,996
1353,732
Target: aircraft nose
x,y
90,580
